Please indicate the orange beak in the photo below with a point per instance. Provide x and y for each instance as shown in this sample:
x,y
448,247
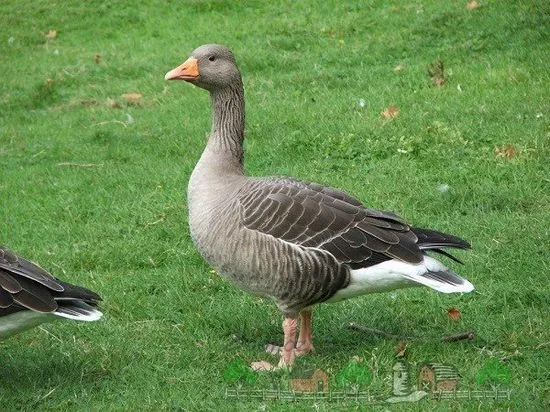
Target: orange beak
x,y
188,71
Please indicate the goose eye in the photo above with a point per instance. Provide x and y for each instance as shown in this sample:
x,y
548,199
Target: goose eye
x,y
212,58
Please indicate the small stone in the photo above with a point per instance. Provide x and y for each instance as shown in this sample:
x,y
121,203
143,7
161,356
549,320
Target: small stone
x,y
443,188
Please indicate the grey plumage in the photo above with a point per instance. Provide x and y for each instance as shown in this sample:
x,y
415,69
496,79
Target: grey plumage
x,y
299,243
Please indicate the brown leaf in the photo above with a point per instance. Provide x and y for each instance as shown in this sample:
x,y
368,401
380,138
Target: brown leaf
x,y
507,151
97,59
132,98
390,112
51,35
400,349
472,5
436,73
453,313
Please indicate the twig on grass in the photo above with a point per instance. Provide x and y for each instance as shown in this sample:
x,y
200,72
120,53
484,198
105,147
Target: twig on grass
x,y
51,334
361,328
80,164
459,336
445,338
37,154
156,222
48,394
109,121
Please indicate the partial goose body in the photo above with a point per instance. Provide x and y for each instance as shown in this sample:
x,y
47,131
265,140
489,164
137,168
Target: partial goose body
x,y
297,242
30,296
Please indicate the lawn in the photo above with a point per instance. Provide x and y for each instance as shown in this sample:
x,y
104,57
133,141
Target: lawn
x,y
431,109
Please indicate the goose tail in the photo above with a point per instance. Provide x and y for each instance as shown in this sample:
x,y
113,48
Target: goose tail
x,y
77,310
444,281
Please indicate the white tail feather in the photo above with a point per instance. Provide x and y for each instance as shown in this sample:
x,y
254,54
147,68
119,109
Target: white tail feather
x,y
444,287
78,310
395,274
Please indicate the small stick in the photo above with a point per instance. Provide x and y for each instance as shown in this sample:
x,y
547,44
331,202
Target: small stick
x,y
362,328
459,336
446,338
109,121
49,333
80,164
542,345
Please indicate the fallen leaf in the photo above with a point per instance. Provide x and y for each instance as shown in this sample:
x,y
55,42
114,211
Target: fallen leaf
x,y
507,151
390,112
97,59
398,68
51,35
472,5
400,349
453,313
132,98
436,73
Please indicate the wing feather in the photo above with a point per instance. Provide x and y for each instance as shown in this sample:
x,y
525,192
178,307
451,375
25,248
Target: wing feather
x,y
316,216
10,262
25,285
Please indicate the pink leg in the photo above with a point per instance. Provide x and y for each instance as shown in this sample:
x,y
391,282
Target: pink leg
x,y
287,352
304,344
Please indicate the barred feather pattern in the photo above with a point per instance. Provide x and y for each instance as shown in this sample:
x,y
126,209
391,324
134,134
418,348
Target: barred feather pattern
x,y
228,120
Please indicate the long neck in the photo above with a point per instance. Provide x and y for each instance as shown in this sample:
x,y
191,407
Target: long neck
x,y
226,137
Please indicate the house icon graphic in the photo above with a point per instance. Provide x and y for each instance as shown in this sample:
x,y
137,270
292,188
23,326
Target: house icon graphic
x,y
433,377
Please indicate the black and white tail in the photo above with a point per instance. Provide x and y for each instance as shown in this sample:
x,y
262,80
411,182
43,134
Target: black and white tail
x,y
394,273
29,296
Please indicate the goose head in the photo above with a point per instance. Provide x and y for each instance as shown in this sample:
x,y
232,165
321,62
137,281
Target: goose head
x,y
211,67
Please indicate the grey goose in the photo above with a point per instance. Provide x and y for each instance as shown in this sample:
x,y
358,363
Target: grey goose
x,y
30,296
296,242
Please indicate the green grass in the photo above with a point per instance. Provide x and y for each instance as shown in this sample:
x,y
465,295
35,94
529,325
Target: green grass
x,y
119,225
